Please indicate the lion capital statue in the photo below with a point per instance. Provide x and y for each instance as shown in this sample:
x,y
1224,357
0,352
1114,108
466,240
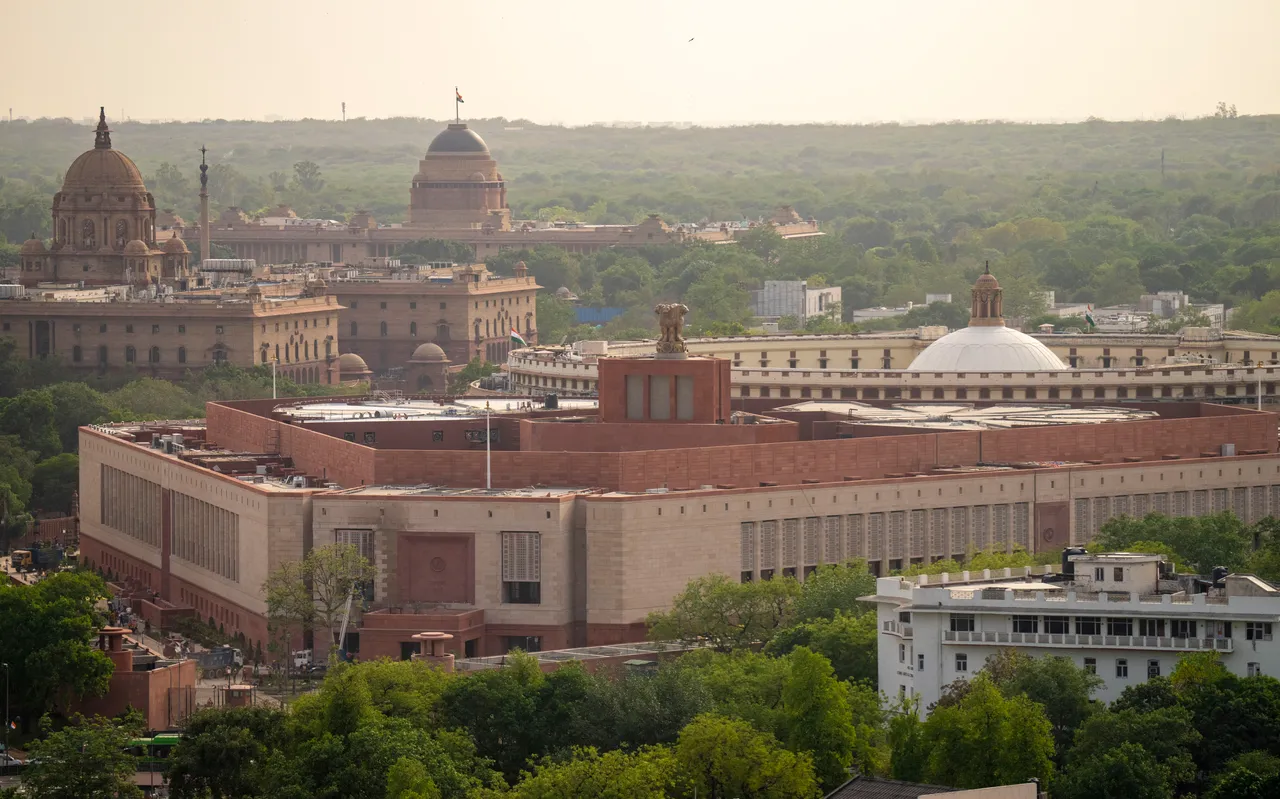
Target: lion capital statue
x,y
671,320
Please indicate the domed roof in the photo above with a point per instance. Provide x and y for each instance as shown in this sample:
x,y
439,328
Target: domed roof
x,y
137,247
103,167
176,246
350,362
428,352
986,349
32,246
458,138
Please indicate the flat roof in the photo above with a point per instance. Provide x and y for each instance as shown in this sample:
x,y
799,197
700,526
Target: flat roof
x,y
420,409
531,492
963,416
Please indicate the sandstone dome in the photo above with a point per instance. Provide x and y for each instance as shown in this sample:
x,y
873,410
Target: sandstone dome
x,y
458,138
350,362
176,246
428,352
103,168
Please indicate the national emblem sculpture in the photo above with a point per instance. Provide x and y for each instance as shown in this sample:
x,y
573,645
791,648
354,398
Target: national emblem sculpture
x,y
671,321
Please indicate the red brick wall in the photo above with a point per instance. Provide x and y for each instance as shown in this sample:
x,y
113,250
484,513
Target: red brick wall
x,y
510,469
787,463
711,377
631,436
1148,440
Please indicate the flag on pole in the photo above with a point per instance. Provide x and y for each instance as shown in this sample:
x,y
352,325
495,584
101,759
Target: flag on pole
x,y
13,725
1088,316
516,338
459,95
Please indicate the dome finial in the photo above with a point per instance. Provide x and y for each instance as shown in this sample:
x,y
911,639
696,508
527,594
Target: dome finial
x,y
986,267
102,136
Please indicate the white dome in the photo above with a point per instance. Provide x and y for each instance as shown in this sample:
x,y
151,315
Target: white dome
x,y
993,348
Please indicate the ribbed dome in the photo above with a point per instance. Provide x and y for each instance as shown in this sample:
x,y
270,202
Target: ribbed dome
x,y
103,170
428,352
176,246
32,246
458,138
986,349
137,247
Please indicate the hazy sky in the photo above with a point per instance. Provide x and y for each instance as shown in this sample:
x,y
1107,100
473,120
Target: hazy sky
x,y
573,61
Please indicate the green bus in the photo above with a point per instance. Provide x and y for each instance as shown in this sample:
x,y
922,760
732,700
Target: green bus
x,y
153,753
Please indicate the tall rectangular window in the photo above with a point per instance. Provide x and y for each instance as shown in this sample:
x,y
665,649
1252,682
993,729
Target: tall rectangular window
x,y
635,396
684,397
659,396
522,568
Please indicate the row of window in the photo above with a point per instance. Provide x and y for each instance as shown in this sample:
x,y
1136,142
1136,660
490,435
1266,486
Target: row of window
x,y
154,355
1007,392
413,304
1248,503
155,329
1121,626
1090,665
893,536
310,350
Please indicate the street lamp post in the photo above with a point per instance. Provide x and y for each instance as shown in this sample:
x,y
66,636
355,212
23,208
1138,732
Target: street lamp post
x,y
5,666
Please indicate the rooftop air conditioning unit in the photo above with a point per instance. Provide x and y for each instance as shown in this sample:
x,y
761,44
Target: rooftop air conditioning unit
x,y
261,469
656,490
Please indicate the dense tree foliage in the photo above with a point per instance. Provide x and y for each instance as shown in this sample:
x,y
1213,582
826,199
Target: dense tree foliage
x,y
43,404
1095,211
87,760
48,636
1198,543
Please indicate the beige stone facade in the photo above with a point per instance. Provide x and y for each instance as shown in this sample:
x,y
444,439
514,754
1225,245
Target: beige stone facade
x,y
1197,363
471,314
195,537
166,338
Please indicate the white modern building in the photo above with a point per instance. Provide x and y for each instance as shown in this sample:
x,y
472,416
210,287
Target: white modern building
x,y
781,298
1124,616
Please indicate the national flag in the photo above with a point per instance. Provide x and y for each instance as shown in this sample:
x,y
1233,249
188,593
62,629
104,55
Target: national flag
x,y
459,94
13,725
1088,316
516,338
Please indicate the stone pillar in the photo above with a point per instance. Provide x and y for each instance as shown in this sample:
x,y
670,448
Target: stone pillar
x,y
204,207
431,650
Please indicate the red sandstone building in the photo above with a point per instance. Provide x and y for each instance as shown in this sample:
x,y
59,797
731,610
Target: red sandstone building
x,y
595,518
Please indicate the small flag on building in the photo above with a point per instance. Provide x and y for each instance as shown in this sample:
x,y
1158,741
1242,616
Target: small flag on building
x,y
13,725
516,338
1088,316
459,95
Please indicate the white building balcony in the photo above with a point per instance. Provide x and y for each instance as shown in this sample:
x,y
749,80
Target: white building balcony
x,y
898,628
1071,641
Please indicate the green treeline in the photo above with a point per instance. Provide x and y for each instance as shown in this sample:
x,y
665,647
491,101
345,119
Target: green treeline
x,y
1097,211
43,403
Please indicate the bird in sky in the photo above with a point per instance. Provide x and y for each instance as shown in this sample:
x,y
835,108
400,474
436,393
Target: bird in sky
x,y
691,38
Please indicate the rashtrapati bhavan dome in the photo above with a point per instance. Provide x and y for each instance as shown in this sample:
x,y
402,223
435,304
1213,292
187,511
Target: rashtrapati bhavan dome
x,y
458,194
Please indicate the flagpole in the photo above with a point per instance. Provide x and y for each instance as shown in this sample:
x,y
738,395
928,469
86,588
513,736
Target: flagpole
x,y
488,463
457,114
